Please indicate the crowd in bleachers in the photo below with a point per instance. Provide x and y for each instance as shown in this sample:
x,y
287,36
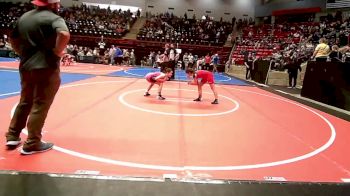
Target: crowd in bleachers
x,y
109,56
210,61
9,12
82,20
169,28
4,44
269,41
94,21
285,41
279,42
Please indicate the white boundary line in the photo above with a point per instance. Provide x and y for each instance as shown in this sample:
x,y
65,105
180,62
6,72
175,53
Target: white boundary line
x,y
347,180
13,93
121,99
204,168
87,71
127,72
178,100
9,71
76,71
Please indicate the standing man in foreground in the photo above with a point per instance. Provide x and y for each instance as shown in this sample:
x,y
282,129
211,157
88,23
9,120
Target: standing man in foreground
x,y
39,37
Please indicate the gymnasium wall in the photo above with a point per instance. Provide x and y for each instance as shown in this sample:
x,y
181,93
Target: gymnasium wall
x,y
267,9
137,3
218,8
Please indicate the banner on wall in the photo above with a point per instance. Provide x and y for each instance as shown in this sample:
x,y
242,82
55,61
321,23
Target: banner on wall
x,y
337,4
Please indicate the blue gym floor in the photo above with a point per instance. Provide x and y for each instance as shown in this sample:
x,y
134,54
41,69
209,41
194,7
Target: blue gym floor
x,y
180,75
10,81
5,59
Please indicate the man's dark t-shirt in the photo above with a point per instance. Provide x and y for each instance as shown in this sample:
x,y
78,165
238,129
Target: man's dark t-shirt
x,y
37,32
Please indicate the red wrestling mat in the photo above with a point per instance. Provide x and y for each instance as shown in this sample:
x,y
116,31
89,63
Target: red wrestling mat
x,y
9,65
106,126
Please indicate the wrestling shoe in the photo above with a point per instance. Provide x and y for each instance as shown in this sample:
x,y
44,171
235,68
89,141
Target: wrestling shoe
x,y
160,97
198,99
215,102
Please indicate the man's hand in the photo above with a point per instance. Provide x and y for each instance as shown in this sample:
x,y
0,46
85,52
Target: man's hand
x,y
61,43
57,52
15,44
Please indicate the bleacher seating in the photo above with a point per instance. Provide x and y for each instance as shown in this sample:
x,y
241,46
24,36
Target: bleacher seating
x,y
80,20
265,40
169,28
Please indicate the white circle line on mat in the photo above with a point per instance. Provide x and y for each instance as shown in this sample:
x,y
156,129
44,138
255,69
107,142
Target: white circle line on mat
x,y
122,100
204,168
152,70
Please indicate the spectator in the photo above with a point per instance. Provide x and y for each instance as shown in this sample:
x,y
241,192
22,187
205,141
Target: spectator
x,y
215,61
126,57
207,61
335,55
248,62
118,55
132,58
2,44
111,54
293,65
321,51
102,45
